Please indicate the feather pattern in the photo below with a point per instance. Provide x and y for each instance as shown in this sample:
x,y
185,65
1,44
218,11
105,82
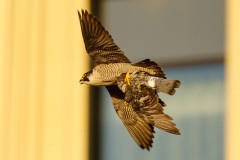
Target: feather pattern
x,y
137,104
148,64
98,42
140,130
146,103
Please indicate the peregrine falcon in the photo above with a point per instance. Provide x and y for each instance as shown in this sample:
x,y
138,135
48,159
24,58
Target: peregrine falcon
x,y
133,87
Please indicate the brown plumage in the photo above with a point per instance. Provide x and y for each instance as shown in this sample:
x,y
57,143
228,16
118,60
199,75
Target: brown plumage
x,y
145,101
140,130
137,104
153,66
98,42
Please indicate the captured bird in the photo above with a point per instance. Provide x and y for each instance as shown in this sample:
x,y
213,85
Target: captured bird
x,y
133,87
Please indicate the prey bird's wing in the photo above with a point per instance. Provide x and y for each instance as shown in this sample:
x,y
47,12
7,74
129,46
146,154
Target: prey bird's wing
x,y
149,107
140,130
146,103
98,42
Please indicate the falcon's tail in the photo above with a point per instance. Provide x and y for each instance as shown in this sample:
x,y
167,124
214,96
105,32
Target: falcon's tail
x,y
151,66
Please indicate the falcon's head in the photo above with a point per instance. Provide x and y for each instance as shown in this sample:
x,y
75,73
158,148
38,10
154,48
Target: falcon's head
x,y
85,78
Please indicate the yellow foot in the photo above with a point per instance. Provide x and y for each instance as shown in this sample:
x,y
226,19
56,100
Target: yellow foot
x,y
127,77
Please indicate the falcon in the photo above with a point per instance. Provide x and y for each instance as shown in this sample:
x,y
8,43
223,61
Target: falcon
x,y
133,87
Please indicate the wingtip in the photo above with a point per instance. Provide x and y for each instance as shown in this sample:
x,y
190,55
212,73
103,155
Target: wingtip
x,y
83,12
79,15
146,147
178,133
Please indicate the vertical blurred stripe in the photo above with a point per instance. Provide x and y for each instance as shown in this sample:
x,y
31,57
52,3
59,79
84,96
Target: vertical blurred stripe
x,y
233,80
43,109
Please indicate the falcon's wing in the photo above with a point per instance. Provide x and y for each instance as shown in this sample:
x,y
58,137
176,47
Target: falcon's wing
x,y
98,42
140,130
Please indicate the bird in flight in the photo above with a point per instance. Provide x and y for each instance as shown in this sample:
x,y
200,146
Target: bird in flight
x,y
133,87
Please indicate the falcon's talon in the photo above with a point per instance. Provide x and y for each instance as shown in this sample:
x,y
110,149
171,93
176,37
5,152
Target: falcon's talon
x,y
127,77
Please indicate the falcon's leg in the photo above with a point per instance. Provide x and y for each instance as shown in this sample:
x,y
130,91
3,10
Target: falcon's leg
x,y
127,77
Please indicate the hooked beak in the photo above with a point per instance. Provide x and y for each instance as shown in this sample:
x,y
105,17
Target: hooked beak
x,y
81,81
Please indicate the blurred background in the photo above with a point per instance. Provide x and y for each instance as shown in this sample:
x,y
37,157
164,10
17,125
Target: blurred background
x,y
46,114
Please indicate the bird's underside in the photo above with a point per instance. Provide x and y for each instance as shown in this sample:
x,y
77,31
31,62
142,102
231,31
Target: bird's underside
x,y
132,87
107,74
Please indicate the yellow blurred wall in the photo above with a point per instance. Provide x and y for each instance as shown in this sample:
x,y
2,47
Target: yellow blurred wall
x,y
232,138
43,109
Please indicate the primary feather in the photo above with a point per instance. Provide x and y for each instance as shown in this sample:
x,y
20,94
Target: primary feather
x,y
98,42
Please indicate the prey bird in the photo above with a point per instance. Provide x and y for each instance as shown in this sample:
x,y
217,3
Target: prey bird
x,y
133,87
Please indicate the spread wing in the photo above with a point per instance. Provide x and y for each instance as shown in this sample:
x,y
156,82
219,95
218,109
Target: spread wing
x,y
98,42
140,130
